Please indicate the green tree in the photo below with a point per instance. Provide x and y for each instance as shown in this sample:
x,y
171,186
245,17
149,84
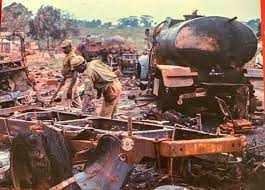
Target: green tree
x,y
132,21
46,24
107,25
52,25
146,21
254,24
69,26
16,17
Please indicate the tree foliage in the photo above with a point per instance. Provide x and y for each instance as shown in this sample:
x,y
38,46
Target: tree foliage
x,y
254,24
52,24
16,17
147,21
93,23
107,24
132,21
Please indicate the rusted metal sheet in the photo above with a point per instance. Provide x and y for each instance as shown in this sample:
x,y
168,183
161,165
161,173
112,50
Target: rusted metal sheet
x,y
201,146
15,82
64,184
106,170
237,126
142,132
107,124
177,71
22,123
15,126
143,147
151,147
177,76
156,86
78,145
191,95
10,110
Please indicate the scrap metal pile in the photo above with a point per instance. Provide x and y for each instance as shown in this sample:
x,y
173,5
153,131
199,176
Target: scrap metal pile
x,y
15,86
102,153
108,148
120,55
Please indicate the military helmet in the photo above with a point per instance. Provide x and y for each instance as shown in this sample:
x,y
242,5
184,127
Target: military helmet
x,y
77,60
66,43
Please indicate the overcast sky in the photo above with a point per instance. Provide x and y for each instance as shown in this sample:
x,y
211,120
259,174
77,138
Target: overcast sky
x,y
112,10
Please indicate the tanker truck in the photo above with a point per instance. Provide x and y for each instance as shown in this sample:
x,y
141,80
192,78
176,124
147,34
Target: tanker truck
x,y
194,62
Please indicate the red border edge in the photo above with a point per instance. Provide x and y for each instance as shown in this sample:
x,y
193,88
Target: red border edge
x,y
0,12
262,10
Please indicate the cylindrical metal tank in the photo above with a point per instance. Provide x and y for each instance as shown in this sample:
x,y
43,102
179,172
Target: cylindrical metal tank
x,y
205,42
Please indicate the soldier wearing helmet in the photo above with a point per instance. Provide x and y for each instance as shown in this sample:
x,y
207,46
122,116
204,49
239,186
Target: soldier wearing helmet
x,y
99,76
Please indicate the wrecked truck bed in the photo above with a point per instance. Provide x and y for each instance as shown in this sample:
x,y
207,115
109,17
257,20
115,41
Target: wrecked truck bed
x,y
139,140
110,148
33,115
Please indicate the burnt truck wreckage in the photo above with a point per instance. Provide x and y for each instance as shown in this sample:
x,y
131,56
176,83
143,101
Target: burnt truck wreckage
x,y
118,53
16,86
194,61
108,148
45,144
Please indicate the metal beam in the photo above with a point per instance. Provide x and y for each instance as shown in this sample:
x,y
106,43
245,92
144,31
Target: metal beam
x,y
15,126
79,145
201,146
17,109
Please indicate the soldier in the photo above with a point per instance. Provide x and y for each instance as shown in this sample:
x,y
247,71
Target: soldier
x,y
148,40
99,76
70,81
